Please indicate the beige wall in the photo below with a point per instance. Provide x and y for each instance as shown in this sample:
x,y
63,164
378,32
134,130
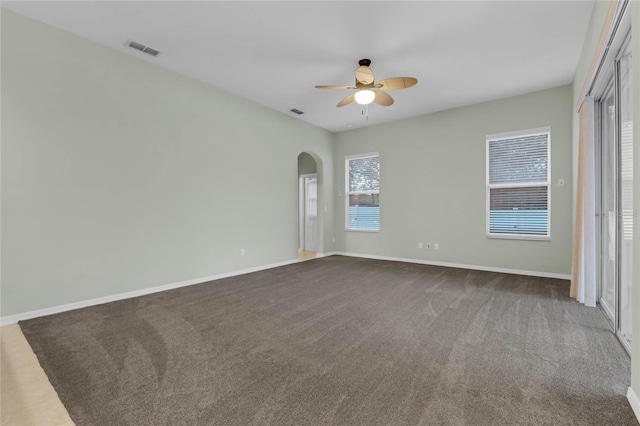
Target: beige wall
x,y
433,188
119,175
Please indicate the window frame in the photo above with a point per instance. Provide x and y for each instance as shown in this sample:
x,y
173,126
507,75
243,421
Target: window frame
x,y
347,193
489,186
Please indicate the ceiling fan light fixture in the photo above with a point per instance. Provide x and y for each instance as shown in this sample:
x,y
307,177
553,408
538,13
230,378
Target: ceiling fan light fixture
x,y
364,94
365,97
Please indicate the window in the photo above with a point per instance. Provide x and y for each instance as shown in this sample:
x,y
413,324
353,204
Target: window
x,y
518,184
363,192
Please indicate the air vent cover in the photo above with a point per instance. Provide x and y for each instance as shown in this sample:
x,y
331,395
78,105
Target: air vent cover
x,y
141,47
296,111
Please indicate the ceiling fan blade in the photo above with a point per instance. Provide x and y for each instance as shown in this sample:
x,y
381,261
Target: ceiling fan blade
x,y
364,75
347,100
396,83
335,87
382,98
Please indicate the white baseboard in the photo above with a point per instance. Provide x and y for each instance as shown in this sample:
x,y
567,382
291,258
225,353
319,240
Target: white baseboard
x,y
634,401
331,253
12,319
459,265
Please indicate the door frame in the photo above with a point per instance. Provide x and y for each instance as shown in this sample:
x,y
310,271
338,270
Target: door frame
x,y
610,88
302,196
608,79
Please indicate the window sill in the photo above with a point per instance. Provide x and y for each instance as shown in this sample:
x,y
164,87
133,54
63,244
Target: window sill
x,y
519,237
370,231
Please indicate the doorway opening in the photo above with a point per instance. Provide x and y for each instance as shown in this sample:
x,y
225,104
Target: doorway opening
x,y
308,207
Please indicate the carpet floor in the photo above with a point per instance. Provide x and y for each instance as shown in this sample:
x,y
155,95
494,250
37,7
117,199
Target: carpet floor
x,y
340,341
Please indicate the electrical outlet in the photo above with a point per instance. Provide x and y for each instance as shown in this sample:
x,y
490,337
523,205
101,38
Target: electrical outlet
x,y
242,252
419,245
428,246
435,246
333,240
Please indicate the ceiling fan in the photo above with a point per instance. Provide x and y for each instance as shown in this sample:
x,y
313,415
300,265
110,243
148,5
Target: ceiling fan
x,y
367,90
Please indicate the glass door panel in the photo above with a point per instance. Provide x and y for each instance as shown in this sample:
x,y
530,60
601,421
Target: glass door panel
x,y
609,222
616,197
626,194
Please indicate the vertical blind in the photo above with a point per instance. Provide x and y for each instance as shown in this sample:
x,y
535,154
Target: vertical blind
x,y
518,183
363,192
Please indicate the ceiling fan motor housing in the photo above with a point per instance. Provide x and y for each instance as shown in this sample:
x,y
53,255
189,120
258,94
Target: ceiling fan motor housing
x,y
364,74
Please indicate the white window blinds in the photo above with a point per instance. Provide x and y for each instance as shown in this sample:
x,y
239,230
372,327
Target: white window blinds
x,y
518,184
363,192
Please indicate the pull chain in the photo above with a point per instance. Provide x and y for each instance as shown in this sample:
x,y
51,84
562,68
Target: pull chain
x,y
365,112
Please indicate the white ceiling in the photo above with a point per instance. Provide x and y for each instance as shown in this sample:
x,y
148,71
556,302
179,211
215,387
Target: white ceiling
x,y
461,52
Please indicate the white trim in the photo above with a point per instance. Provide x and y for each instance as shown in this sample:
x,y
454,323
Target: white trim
x,y
518,133
531,237
12,319
331,253
459,265
617,22
302,197
518,185
489,186
367,155
634,401
347,159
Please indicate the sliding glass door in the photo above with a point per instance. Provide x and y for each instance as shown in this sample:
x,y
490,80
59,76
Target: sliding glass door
x,y
616,195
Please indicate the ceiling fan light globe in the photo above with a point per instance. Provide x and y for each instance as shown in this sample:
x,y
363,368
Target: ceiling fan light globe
x,y
365,97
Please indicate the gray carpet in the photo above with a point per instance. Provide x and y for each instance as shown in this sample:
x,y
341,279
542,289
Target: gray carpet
x,y
340,341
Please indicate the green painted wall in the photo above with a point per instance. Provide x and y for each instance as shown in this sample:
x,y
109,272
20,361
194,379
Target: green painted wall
x,y
432,188
119,175
306,164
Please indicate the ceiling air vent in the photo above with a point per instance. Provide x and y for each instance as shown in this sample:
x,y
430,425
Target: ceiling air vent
x,y
296,111
141,47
